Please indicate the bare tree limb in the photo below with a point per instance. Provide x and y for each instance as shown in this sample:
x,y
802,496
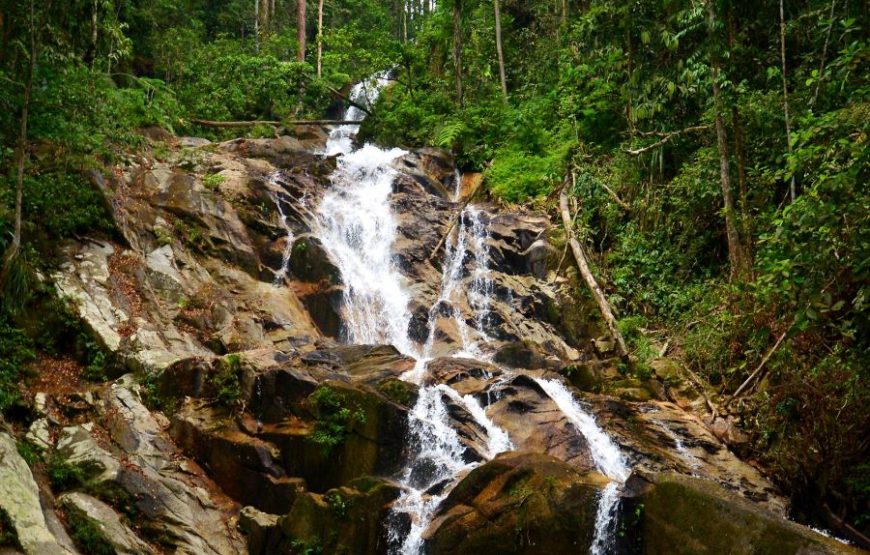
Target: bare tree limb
x,y
349,100
456,216
591,283
251,123
666,138
624,205
757,373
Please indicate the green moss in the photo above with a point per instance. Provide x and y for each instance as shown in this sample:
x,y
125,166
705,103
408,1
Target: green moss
x,y
227,380
87,534
64,475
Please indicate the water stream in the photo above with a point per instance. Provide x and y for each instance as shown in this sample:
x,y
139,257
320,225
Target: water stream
x,y
356,226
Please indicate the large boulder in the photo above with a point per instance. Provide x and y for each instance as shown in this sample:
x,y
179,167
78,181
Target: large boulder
x,y
92,515
687,515
20,503
518,503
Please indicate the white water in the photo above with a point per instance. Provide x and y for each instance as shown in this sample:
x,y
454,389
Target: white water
x,y
686,455
606,456
356,226
283,272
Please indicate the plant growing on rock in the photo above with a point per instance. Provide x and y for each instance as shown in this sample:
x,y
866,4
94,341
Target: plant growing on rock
x,y
333,418
228,389
87,534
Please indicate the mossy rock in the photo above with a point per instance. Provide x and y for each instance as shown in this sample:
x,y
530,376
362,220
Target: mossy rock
x,y
683,515
343,521
518,503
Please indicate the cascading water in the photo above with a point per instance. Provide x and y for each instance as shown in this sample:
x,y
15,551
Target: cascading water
x,y
606,456
356,226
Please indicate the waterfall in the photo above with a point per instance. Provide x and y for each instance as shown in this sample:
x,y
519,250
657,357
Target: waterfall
x,y
357,228
283,272
606,456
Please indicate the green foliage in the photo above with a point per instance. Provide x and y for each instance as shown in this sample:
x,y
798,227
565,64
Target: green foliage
x,y
337,504
18,351
87,533
334,418
28,452
226,380
212,181
62,474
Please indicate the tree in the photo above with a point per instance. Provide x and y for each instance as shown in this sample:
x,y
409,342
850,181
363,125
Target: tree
x,y
498,48
14,248
457,48
300,29
320,38
735,246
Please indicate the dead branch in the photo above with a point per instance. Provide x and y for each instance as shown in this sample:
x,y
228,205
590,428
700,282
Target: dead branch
x,y
592,284
349,100
251,123
757,372
624,205
667,137
453,220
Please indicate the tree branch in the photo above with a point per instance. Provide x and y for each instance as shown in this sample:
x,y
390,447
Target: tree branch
x,y
591,283
666,138
251,123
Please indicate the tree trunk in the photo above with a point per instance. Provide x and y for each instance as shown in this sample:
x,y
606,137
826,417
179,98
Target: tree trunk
x,y
740,152
257,26
21,155
320,38
264,16
591,283
300,29
499,50
457,48
735,251
791,188
94,27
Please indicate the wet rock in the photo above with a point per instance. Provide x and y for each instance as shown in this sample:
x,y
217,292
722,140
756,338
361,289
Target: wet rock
x,y
518,503
346,520
20,501
246,468
104,519
176,504
687,515
261,531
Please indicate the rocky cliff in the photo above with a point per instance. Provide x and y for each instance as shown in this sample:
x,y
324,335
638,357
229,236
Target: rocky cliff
x,y
241,421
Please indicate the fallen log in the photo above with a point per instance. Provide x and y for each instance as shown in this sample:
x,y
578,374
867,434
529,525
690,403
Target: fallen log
x,y
591,283
251,123
453,220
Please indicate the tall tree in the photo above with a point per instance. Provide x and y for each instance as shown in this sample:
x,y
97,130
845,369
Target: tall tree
x,y
791,188
498,48
735,247
320,38
457,48
300,29
20,157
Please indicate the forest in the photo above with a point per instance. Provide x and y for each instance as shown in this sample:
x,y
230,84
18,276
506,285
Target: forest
x,y
714,154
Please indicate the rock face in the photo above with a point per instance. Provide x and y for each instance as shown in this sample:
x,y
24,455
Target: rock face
x,y
219,296
518,503
687,515
20,502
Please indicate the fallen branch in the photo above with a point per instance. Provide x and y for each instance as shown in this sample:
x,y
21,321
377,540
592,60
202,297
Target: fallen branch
x,y
624,205
667,138
349,100
453,220
757,372
580,257
251,123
